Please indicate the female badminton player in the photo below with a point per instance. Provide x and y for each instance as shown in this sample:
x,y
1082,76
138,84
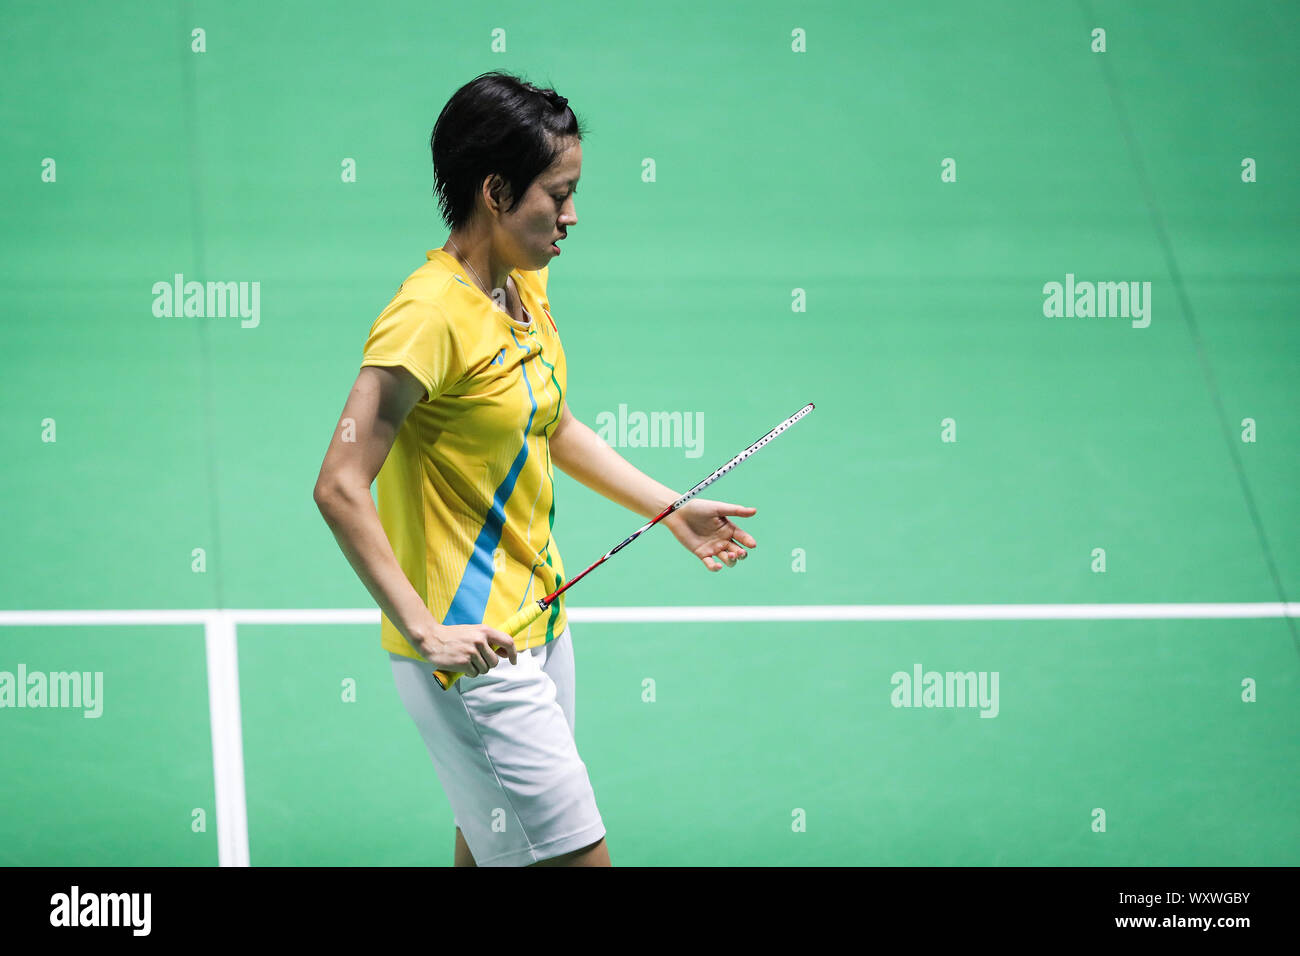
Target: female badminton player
x,y
459,413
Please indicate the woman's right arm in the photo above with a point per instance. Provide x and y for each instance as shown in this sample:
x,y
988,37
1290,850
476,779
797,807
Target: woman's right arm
x,y
379,402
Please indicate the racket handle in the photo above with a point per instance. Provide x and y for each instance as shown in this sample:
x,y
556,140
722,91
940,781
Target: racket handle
x,y
516,623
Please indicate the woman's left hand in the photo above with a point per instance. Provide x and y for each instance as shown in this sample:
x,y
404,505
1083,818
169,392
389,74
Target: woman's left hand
x,y
703,529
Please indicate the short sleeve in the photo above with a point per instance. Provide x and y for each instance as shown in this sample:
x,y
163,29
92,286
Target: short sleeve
x,y
417,335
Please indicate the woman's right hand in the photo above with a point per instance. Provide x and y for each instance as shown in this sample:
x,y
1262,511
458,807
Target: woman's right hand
x,y
466,648
377,407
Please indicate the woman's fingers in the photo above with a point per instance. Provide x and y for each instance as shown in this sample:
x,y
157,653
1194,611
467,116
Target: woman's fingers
x,y
739,534
731,551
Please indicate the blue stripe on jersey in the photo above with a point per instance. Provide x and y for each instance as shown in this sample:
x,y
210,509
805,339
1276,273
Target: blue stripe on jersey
x,y
470,602
559,407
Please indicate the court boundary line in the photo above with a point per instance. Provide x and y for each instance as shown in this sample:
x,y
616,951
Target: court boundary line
x,y
221,642
182,617
1166,244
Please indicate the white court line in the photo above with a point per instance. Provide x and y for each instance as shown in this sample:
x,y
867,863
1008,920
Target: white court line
x,y
74,618
227,740
703,613
223,662
931,612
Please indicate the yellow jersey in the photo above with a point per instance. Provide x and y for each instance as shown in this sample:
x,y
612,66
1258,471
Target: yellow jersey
x,y
466,496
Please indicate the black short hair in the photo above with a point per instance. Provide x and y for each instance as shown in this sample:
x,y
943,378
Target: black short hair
x,y
496,123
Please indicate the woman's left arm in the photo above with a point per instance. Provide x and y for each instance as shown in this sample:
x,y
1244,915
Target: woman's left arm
x,y
700,525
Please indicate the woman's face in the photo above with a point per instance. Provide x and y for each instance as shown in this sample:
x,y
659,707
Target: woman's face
x,y
546,213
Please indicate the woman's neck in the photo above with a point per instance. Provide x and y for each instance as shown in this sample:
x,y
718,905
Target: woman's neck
x,y
476,253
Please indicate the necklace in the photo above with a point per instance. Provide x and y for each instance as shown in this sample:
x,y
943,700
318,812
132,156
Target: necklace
x,y
481,283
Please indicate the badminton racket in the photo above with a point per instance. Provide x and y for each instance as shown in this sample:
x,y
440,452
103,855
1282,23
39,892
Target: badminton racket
x,y
531,612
